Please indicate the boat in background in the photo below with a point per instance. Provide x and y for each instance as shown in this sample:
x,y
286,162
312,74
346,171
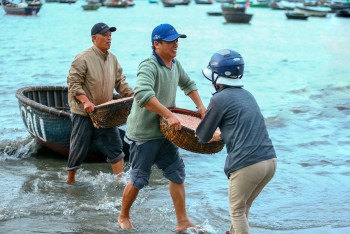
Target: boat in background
x,y
260,4
232,7
168,3
297,15
313,11
91,5
46,116
22,8
206,2
116,3
237,17
343,13
67,1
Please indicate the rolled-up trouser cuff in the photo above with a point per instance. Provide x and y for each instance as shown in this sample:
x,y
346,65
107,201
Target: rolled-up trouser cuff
x,y
117,159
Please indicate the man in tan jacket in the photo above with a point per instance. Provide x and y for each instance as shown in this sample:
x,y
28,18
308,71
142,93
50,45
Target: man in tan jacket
x,y
93,75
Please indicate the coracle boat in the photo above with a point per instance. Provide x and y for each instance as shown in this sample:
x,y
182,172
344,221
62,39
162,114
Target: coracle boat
x,y
237,17
91,6
23,8
343,13
47,118
297,15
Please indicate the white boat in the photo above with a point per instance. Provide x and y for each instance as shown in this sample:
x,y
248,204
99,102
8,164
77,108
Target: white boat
x,y
313,11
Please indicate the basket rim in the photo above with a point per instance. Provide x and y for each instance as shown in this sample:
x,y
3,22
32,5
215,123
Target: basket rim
x,y
126,100
185,112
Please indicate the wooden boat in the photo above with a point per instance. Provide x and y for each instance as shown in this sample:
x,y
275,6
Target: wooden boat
x,y
116,3
297,15
343,13
90,6
22,8
214,13
228,7
182,2
237,17
168,3
313,11
67,1
207,2
46,116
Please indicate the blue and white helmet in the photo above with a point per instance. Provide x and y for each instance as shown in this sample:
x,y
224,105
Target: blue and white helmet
x,y
226,67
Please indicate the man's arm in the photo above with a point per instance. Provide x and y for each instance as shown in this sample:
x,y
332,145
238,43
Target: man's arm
x,y
155,106
194,95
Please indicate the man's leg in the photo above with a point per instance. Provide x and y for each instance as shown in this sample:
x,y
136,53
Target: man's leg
x,y
177,192
118,168
129,196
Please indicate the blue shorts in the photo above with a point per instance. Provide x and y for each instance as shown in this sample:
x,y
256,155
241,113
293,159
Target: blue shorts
x,y
161,152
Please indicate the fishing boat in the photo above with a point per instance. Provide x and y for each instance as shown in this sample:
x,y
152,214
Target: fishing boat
x,y
168,3
237,17
116,3
22,8
91,6
229,7
206,2
214,13
46,116
297,15
343,13
313,11
67,1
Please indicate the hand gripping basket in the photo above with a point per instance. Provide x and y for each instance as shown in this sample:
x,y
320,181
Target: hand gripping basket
x,y
112,113
185,138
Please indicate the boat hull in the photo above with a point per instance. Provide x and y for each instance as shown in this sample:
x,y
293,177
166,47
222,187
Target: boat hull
x,y
237,17
297,15
91,7
30,10
46,116
313,11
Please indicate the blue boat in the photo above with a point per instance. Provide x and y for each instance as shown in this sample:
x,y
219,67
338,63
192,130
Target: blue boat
x,y
46,116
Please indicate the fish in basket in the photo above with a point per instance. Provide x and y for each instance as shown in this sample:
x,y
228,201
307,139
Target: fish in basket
x,y
186,138
112,113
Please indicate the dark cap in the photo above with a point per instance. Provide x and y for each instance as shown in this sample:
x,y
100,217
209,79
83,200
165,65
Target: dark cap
x,y
165,32
100,28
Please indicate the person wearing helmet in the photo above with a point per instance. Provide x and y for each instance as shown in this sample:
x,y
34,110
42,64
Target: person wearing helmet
x,y
251,159
158,78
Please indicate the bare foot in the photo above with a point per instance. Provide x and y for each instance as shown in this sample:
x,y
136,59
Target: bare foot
x,y
124,222
182,226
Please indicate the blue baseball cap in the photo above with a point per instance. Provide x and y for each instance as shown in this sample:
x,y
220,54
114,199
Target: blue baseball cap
x,y
165,32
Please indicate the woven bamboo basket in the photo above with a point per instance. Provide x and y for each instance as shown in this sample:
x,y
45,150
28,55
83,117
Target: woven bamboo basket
x,y
185,138
112,113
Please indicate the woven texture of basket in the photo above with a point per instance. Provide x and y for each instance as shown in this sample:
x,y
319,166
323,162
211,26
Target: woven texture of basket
x,y
112,113
185,138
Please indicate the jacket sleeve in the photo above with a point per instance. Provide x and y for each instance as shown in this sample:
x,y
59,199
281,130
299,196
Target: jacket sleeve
x,y
209,123
76,77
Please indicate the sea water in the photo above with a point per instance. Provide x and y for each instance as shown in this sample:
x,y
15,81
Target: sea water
x,y
297,70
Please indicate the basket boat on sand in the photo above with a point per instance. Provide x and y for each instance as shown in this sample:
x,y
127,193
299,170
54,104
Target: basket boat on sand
x,y
186,138
112,113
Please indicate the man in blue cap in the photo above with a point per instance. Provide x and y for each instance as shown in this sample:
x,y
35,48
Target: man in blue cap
x,y
157,80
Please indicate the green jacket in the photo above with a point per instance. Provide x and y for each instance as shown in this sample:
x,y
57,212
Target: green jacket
x,y
155,80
